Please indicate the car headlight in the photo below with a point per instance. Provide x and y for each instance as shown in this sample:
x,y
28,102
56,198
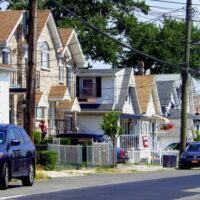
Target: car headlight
x,y
1,155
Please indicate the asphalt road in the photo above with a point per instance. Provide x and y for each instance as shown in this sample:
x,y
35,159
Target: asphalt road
x,y
161,185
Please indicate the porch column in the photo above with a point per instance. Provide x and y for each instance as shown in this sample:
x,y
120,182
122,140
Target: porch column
x,y
74,124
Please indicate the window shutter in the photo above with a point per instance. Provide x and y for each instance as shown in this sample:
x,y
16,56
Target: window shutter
x,y
98,86
77,86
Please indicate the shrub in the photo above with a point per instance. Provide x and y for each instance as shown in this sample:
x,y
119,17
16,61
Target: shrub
x,y
47,159
198,136
65,141
47,141
37,137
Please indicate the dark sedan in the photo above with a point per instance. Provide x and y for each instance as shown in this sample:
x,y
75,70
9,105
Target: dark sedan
x,y
17,156
191,156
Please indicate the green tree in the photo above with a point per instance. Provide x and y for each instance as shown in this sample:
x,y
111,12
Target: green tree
x,y
102,15
111,128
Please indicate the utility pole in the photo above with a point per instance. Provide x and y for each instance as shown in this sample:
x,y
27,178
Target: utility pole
x,y
31,71
185,76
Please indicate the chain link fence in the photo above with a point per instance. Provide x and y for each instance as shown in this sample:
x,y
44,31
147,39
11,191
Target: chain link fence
x,y
76,156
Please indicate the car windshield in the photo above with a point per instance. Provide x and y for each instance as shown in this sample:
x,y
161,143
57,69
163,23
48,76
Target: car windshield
x,y
193,147
2,136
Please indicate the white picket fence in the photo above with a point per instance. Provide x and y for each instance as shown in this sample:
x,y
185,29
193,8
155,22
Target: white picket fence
x,y
146,156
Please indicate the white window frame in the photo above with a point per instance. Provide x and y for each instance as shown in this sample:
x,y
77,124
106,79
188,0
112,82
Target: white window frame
x,y
45,55
6,52
61,70
39,115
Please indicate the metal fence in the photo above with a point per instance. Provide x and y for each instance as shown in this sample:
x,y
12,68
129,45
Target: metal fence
x,y
76,156
149,156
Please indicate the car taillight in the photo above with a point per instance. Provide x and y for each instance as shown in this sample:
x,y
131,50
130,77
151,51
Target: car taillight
x,y
122,153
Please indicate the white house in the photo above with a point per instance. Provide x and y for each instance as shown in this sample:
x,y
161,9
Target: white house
x,y
4,92
103,90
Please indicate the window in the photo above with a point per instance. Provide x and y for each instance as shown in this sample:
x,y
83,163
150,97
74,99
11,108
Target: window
x,y
69,77
18,135
45,55
6,56
61,71
25,135
89,87
39,113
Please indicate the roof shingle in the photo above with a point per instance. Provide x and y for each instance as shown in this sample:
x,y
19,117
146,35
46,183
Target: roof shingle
x,y
58,91
144,85
65,34
8,20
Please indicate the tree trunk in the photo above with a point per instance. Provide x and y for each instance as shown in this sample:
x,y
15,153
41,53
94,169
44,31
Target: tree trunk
x,y
114,165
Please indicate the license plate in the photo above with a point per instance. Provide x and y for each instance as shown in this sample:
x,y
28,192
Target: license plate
x,y
194,161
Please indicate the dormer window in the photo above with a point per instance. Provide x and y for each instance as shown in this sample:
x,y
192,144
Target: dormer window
x,y
6,56
45,55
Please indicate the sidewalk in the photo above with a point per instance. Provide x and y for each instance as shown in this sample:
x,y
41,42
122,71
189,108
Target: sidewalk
x,y
118,170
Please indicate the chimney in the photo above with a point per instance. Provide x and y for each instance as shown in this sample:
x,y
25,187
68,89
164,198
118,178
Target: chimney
x,y
140,67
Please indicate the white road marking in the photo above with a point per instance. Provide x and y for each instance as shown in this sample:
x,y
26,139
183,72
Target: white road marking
x,y
11,197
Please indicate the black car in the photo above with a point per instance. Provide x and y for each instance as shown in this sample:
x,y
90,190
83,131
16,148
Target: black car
x,y
191,156
17,156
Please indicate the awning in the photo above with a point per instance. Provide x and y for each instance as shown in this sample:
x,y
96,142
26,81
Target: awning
x,y
144,117
69,105
41,100
59,93
160,118
130,116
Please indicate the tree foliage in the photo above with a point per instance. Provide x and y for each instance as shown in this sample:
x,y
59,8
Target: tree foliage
x,y
110,124
117,18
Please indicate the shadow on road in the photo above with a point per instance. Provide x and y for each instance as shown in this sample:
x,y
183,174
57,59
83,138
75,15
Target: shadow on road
x,y
165,189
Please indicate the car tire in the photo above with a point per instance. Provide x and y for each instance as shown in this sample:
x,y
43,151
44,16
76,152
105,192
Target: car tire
x,y
29,179
4,180
182,167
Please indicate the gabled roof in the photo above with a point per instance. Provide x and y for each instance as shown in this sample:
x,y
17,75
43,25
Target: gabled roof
x,y
124,89
165,90
144,85
58,91
42,19
8,22
71,45
65,34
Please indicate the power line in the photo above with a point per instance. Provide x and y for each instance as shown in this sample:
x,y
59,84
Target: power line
x,y
115,40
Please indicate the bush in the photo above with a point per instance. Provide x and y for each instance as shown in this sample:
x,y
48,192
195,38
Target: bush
x,y
47,141
197,139
47,159
65,141
37,137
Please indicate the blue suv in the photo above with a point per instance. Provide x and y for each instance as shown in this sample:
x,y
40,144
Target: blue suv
x,y
17,156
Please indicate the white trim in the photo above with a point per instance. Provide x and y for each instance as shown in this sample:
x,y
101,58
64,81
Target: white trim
x,y
7,69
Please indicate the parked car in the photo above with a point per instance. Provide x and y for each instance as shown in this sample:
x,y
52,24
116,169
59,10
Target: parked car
x,y
17,156
122,155
175,145
191,156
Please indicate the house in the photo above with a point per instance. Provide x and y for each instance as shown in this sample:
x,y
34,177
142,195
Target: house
x,y
4,92
151,117
103,90
58,55
169,90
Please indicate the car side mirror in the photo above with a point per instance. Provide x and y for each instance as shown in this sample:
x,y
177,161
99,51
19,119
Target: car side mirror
x,y
15,142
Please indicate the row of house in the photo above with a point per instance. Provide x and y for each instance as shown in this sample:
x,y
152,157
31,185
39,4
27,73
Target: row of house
x,y
71,99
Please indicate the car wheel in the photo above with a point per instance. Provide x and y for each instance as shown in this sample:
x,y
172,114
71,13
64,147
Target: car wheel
x,y
4,180
182,167
29,179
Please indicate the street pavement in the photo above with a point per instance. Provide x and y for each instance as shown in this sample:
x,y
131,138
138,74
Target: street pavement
x,y
158,185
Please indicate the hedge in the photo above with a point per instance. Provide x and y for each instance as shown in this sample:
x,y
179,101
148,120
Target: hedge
x,y
47,159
